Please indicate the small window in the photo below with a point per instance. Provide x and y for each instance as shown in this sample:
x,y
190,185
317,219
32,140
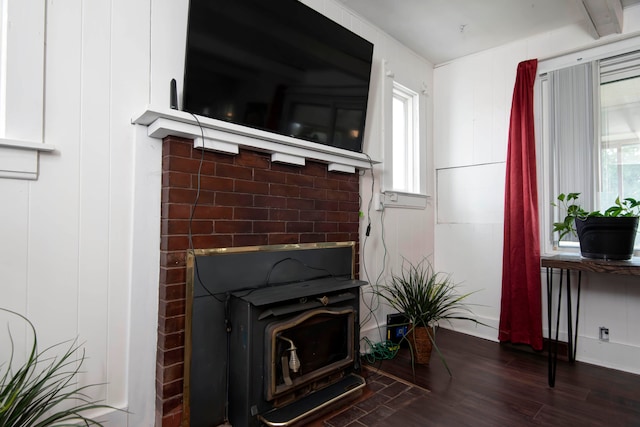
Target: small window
x,y
22,29
405,140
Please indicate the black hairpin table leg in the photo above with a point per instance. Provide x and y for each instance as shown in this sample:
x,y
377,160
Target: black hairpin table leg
x,y
572,330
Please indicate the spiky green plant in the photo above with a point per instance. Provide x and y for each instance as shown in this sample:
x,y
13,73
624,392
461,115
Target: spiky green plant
x,y
42,391
426,297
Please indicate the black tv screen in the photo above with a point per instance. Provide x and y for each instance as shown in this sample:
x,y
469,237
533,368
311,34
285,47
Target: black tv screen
x,y
279,66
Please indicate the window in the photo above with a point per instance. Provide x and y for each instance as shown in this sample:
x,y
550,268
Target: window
x,y
591,134
404,182
405,140
620,146
22,40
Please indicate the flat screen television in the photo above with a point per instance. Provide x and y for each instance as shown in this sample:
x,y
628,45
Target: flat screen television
x,y
280,66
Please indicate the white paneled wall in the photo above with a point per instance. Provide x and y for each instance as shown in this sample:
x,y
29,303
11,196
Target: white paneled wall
x,y
66,238
471,116
478,202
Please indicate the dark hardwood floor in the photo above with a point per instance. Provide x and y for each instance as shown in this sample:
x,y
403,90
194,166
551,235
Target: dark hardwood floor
x,y
492,385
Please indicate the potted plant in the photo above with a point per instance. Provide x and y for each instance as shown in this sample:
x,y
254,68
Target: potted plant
x,y
425,297
42,391
608,234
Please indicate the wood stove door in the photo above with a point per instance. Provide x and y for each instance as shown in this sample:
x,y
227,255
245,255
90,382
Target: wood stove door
x,y
307,352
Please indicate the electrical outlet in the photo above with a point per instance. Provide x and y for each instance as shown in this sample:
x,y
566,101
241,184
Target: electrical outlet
x,y
604,333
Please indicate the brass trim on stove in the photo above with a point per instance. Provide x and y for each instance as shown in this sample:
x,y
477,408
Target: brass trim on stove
x,y
189,294
186,384
271,331
275,248
317,409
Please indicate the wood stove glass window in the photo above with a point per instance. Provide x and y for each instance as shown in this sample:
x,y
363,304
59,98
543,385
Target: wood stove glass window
x,y
308,350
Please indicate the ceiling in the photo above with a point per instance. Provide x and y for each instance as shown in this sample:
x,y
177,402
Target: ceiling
x,y
442,30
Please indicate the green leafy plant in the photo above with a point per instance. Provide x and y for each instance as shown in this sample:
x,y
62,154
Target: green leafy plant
x,y
426,297
627,207
42,391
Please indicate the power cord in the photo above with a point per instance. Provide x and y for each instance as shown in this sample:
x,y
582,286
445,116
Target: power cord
x,y
372,302
191,215
385,350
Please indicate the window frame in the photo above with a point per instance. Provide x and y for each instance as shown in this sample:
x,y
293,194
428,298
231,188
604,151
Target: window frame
x,y
546,169
22,73
406,148
414,90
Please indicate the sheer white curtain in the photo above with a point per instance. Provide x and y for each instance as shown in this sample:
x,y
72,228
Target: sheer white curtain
x,y
573,131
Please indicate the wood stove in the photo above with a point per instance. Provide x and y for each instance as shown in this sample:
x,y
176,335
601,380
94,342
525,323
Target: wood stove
x,y
290,321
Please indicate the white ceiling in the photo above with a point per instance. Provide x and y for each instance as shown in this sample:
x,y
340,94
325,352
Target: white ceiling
x,y
441,30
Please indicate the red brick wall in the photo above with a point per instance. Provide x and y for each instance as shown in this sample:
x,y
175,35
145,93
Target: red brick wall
x,y
244,200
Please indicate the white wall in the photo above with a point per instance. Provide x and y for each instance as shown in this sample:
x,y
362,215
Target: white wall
x,y
471,115
66,239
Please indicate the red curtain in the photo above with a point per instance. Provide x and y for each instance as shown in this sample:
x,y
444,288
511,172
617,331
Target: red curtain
x,y
521,306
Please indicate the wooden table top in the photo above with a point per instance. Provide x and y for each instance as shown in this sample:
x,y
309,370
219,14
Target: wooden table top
x,y
577,262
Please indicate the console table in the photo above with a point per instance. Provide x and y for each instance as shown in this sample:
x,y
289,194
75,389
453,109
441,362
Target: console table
x,y
567,263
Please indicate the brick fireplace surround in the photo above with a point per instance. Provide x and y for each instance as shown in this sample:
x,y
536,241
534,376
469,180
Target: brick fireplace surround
x,y
244,200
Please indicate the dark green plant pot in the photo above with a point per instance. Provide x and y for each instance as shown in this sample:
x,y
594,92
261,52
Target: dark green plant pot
x,y
606,237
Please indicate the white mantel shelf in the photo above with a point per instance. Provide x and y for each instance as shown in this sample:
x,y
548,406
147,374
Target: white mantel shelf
x,y
228,138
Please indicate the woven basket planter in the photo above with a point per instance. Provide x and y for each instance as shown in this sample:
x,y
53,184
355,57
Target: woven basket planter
x,y
421,344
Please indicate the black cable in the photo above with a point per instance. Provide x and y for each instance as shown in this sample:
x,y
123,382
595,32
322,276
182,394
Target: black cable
x,y
267,280
195,203
190,235
191,215
250,289
373,181
373,304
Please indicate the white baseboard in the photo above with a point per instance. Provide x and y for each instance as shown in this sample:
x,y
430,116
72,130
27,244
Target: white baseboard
x,y
608,354
110,417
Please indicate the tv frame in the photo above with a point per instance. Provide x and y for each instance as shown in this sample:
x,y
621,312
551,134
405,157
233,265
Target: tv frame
x,y
345,107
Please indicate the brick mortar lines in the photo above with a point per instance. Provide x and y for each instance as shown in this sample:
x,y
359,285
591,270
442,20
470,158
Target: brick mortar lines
x,y
290,188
